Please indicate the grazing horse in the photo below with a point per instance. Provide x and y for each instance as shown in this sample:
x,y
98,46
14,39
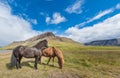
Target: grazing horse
x,y
53,52
28,52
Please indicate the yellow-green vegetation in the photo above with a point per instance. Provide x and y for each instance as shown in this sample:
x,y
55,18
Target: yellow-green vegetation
x,y
80,62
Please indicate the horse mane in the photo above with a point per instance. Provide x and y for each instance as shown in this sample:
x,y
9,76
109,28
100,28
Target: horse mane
x,y
59,56
40,44
17,48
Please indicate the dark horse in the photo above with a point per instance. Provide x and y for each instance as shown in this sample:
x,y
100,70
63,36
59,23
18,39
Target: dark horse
x,y
28,52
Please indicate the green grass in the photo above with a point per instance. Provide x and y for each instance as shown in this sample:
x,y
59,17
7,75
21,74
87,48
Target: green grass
x,y
80,62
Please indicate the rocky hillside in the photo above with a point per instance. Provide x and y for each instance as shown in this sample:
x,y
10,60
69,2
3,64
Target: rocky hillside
x,y
110,42
53,40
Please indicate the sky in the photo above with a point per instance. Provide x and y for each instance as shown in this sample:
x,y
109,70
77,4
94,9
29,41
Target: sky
x,y
81,20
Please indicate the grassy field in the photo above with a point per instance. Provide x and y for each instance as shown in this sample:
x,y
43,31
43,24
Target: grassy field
x,y
80,62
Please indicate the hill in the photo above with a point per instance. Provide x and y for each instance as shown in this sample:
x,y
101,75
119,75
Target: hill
x,y
53,40
110,42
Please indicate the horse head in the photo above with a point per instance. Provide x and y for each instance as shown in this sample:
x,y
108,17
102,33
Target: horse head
x,y
41,44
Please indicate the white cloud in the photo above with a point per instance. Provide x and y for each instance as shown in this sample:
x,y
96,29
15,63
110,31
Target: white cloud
x,y
56,19
75,8
47,20
101,14
13,28
118,6
108,29
33,21
98,16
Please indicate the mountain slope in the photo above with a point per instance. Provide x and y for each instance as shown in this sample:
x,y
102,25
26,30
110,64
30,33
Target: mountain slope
x,y
110,42
52,41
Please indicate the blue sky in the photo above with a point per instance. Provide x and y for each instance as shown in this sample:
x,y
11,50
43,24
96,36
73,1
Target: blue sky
x,y
81,20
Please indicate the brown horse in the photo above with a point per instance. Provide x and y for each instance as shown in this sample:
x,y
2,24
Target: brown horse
x,y
53,52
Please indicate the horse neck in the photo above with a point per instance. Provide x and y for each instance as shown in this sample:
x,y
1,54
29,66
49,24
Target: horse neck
x,y
38,46
58,54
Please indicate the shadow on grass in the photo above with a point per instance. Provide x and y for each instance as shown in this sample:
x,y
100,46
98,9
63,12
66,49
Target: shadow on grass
x,y
50,65
26,63
9,66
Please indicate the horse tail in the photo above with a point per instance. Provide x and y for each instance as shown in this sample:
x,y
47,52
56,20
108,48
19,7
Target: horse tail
x,y
60,57
13,59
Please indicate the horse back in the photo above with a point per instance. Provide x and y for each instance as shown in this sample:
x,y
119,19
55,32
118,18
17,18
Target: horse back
x,y
31,53
27,52
48,52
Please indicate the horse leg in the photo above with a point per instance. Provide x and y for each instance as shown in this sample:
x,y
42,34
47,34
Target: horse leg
x,y
17,63
20,62
36,61
53,61
49,60
40,59
60,64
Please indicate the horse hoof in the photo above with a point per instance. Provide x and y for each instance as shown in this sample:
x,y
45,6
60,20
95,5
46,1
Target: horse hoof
x,y
60,67
36,68
18,68
53,65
